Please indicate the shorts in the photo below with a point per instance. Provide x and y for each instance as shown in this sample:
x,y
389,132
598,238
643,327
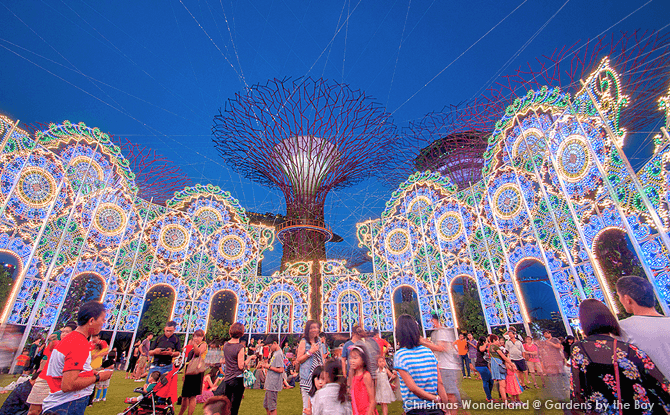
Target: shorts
x,y
39,392
521,365
451,379
270,401
535,367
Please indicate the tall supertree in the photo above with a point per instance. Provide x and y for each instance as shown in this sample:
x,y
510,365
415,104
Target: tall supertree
x,y
306,137
156,176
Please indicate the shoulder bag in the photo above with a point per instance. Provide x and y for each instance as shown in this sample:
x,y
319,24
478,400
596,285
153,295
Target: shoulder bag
x,y
197,364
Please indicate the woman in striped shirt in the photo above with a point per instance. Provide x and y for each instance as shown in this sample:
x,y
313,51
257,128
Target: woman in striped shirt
x,y
420,382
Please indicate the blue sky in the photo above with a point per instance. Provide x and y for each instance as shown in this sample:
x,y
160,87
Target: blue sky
x,y
157,72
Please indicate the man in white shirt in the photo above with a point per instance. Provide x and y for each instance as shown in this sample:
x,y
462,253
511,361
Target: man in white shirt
x,y
646,329
515,348
448,361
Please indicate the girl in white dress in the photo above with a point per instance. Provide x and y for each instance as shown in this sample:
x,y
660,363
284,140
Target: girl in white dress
x,y
384,394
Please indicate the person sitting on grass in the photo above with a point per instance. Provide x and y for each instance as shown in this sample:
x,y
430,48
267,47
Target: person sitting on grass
x,y
15,403
147,388
217,405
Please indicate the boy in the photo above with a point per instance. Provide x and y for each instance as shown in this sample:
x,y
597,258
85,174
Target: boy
x,y
22,362
147,388
274,380
217,405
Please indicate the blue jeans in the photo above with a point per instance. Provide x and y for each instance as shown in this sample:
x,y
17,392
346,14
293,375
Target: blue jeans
x,y
487,380
465,364
76,407
161,369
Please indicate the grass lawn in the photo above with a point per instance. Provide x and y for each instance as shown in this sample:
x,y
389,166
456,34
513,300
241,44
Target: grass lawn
x,y
290,402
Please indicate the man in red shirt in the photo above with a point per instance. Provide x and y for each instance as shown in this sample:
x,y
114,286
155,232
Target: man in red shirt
x,y
69,374
383,344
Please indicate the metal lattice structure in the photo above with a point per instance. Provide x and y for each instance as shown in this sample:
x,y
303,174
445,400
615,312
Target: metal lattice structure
x,y
156,176
305,137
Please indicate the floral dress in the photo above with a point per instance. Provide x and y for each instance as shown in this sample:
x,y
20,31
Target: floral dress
x,y
643,388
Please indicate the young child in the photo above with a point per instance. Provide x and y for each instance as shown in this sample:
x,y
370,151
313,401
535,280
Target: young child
x,y
332,398
317,383
274,380
362,387
532,356
147,388
22,363
512,381
101,387
384,394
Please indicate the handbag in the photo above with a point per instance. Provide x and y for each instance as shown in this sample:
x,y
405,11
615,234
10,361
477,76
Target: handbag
x,y
615,361
249,378
197,364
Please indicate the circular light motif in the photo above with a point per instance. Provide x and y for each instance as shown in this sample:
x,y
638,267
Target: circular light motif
x,y
110,219
36,187
397,241
530,144
86,167
232,247
507,201
573,159
419,203
208,215
449,226
174,237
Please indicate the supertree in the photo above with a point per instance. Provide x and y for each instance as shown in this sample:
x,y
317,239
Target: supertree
x,y
306,137
450,142
642,59
156,176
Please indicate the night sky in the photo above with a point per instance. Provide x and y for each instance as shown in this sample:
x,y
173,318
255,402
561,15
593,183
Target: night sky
x,y
157,72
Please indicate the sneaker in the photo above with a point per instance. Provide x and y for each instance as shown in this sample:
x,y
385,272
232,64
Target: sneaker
x,y
104,399
127,400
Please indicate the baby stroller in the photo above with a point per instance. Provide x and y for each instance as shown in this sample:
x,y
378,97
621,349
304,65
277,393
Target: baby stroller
x,y
159,400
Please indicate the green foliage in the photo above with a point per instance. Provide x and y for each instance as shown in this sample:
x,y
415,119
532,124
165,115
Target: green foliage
x,y
469,310
217,331
6,282
616,260
82,289
409,304
154,319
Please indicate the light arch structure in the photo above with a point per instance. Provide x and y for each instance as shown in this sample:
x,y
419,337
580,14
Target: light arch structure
x,y
548,204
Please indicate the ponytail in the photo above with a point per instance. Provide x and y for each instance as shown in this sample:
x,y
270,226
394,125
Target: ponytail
x,y
334,370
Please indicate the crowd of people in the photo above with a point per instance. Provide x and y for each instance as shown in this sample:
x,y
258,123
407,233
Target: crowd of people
x,y
613,367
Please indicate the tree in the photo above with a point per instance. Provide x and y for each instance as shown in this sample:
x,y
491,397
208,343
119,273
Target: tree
x,y
154,319
6,282
469,310
217,331
82,289
616,260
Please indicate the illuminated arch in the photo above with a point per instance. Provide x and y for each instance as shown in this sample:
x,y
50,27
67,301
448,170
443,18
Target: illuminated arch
x,y
213,295
349,310
280,313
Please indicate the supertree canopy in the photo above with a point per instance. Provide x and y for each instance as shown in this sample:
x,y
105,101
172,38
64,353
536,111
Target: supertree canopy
x,y
450,142
306,137
156,176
